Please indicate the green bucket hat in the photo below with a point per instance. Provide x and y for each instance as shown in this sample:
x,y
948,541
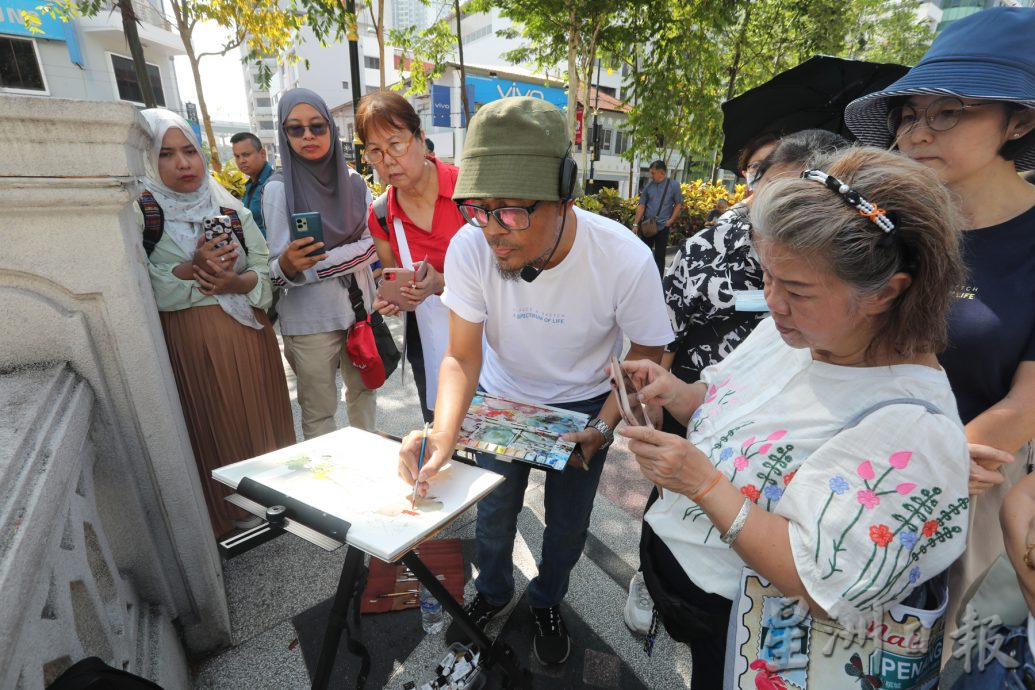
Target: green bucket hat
x,y
514,149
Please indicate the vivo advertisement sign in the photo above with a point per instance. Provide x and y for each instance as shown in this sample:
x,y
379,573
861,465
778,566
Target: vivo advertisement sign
x,y
488,89
440,108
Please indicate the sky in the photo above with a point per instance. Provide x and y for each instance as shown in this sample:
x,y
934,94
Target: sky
x,y
222,77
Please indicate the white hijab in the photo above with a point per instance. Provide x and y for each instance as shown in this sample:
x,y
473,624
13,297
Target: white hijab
x,y
184,211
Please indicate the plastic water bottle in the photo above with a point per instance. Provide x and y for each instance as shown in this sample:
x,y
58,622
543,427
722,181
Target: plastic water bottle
x,y
432,618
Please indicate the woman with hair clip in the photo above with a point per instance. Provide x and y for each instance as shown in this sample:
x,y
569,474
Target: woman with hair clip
x,y
700,291
967,112
419,219
315,310
808,443
211,294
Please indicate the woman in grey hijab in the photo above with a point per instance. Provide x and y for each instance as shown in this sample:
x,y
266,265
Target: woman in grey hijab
x,y
315,311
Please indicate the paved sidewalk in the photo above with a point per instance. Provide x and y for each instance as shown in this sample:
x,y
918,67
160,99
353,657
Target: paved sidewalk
x,y
269,585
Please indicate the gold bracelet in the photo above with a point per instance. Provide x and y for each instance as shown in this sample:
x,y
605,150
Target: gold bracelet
x,y
701,494
1027,557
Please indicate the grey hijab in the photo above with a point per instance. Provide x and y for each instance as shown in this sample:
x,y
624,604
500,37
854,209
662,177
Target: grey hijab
x,y
327,186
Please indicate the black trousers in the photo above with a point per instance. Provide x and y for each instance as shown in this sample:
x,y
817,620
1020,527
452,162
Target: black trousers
x,y
709,652
658,244
415,356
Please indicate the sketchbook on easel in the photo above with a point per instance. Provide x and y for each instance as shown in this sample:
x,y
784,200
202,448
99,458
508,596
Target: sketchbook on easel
x,y
520,431
351,474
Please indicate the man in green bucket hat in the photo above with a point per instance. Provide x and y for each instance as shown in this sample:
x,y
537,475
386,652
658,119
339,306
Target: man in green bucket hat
x,y
552,288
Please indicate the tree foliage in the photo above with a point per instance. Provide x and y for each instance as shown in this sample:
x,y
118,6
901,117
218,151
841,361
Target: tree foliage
x,y
703,52
424,53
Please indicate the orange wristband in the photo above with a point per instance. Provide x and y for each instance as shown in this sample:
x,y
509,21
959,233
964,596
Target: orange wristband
x,y
704,492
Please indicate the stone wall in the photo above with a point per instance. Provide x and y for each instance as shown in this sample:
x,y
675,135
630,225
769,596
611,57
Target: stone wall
x,y
76,308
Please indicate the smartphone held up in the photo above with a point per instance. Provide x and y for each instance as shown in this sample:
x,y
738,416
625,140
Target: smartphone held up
x,y
393,280
308,225
215,226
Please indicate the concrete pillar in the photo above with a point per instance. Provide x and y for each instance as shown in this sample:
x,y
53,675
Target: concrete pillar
x,y
74,289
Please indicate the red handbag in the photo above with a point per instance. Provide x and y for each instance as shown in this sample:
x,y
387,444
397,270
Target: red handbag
x,y
363,354
369,344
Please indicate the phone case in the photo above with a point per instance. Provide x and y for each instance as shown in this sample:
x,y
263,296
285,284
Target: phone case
x,y
217,225
307,225
393,280
634,413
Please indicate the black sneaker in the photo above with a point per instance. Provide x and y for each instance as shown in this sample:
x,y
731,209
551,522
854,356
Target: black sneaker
x,y
551,643
480,612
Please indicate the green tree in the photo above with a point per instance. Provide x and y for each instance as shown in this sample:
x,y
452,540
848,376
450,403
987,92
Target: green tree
x,y
424,53
703,52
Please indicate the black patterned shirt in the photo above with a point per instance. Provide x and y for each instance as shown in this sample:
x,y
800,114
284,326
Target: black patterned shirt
x,y
699,291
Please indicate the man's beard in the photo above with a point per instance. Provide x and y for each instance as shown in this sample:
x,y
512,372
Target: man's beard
x,y
515,273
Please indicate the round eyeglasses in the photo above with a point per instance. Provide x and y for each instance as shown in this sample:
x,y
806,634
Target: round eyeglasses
x,y
508,217
396,149
941,115
298,131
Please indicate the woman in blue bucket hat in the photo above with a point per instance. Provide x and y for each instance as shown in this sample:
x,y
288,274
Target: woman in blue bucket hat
x,y
967,111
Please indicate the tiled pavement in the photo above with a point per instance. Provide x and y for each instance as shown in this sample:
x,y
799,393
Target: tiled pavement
x,y
273,583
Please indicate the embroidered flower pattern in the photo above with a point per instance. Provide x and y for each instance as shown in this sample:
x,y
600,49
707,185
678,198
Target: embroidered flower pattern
x,y
868,498
751,448
751,491
715,398
930,527
881,535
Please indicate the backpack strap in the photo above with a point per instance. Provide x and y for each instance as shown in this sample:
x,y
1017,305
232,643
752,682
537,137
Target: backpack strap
x,y
154,221
380,206
235,225
854,421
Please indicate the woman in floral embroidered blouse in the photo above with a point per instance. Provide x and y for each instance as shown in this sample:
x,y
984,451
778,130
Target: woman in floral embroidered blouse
x,y
829,440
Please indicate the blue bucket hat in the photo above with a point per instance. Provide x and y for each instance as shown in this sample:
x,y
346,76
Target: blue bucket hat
x,y
988,55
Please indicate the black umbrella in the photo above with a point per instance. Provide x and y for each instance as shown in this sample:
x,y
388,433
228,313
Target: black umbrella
x,y
812,95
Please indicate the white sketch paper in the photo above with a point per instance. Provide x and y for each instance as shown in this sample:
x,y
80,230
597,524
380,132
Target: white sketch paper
x,y
352,474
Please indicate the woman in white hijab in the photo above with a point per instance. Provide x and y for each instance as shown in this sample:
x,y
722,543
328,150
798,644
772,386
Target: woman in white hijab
x,y
211,298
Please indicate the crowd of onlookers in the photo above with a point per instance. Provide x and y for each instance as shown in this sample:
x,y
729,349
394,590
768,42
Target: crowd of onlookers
x,y
853,437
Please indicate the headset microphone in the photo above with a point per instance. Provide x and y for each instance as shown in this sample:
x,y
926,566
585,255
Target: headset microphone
x,y
530,272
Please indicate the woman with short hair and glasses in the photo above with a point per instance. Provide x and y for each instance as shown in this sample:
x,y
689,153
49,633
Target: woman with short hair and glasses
x,y
315,311
419,220
967,111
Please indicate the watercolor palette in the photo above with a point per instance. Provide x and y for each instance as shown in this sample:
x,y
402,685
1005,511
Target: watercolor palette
x,y
520,431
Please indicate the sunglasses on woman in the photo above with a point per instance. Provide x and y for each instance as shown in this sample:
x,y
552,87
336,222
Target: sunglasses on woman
x,y
508,217
941,115
298,131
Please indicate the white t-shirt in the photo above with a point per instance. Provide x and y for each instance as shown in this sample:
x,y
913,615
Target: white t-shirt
x,y
874,510
548,341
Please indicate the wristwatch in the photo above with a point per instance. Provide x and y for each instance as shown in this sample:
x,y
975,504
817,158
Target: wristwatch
x,y
604,428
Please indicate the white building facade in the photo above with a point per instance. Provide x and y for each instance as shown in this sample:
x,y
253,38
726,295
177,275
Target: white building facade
x,y
86,58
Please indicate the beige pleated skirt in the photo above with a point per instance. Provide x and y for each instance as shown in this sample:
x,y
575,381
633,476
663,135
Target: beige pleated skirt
x,y
233,392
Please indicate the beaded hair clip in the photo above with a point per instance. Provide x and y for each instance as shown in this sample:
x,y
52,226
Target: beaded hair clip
x,y
867,209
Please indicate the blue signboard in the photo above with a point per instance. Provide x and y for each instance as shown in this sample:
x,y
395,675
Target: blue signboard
x,y
488,89
11,24
440,108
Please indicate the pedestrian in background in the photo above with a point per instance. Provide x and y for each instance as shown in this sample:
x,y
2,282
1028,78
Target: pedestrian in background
x,y
251,159
661,201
